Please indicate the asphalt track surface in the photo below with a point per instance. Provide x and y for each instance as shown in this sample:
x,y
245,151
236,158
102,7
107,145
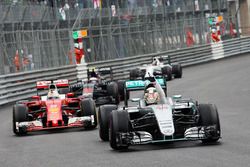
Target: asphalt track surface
x,y
224,83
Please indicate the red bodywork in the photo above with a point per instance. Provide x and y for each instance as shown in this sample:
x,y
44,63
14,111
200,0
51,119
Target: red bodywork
x,y
53,113
53,110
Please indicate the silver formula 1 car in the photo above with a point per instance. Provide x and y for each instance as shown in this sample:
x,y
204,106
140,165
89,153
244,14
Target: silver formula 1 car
x,y
170,119
158,68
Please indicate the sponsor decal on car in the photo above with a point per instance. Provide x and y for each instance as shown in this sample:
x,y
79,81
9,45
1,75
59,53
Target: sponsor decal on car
x,y
141,83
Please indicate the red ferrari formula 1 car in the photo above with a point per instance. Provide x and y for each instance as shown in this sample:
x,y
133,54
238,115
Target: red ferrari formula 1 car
x,y
54,110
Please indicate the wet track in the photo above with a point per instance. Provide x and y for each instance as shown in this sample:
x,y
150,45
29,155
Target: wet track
x,y
225,83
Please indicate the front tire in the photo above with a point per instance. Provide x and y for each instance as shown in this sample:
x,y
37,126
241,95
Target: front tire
x,y
88,108
103,118
20,114
119,122
209,117
167,71
177,70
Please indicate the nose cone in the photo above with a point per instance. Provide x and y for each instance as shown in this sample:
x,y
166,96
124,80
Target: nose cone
x,y
54,112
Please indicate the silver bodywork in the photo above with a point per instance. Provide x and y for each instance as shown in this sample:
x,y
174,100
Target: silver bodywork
x,y
163,113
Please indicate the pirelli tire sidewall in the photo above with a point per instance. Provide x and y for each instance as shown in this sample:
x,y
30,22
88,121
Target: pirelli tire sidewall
x,y
119,122
88,108
209,117
20,114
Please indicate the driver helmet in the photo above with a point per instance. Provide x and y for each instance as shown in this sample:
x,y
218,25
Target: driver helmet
x,y
93,80
53,92
151,96
93,73
155,61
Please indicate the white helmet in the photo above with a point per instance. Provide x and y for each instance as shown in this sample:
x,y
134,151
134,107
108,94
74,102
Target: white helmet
x,y
151,96
93,80
53,92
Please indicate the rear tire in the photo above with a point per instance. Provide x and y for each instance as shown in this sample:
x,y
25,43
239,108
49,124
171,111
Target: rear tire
x,y
20,114
112,89
121,85
88,108
167,71
177,70
103,118
134,73
119,122
208,117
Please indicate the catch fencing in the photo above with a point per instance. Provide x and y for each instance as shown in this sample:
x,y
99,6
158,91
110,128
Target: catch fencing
x,y
36,36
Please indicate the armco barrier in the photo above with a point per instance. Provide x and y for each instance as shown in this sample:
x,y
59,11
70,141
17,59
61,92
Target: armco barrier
x,y
186,57
19,86
14,87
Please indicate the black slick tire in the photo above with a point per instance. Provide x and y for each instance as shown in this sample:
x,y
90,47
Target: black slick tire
x,y
119,122
20,114
88,108
103,118
177,70
209,117
167,71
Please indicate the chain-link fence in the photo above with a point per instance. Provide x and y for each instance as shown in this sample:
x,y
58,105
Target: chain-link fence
x,y
39,35
149,28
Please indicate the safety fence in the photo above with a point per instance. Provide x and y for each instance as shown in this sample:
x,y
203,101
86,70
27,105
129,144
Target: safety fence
x,y
34,36
14,87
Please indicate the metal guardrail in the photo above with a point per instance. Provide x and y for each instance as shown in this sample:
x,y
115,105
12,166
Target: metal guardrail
x,y
186,57
19,86
14,87
236,46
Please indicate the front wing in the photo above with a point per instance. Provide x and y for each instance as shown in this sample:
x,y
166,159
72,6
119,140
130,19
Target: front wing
x,y
143,137
73,122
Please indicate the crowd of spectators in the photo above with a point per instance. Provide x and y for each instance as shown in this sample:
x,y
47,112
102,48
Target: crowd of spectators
x,y
96,3
177,4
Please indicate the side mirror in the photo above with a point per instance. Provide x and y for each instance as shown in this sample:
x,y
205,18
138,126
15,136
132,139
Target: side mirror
x,y
135,99
36,97
70,95
177,96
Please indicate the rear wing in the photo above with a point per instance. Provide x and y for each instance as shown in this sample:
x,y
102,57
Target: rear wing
x,y
62,83
165,58
100,71
134,85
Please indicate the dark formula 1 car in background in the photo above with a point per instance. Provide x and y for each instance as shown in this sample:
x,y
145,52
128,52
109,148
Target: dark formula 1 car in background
x,y
53,111
100,86
169,119
158,67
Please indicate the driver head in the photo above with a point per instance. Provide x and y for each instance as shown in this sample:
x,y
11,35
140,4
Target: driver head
x,y
151,96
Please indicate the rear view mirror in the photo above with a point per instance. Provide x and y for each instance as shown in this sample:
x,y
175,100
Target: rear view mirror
x,y
135,99
36,97
177,96
70,95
